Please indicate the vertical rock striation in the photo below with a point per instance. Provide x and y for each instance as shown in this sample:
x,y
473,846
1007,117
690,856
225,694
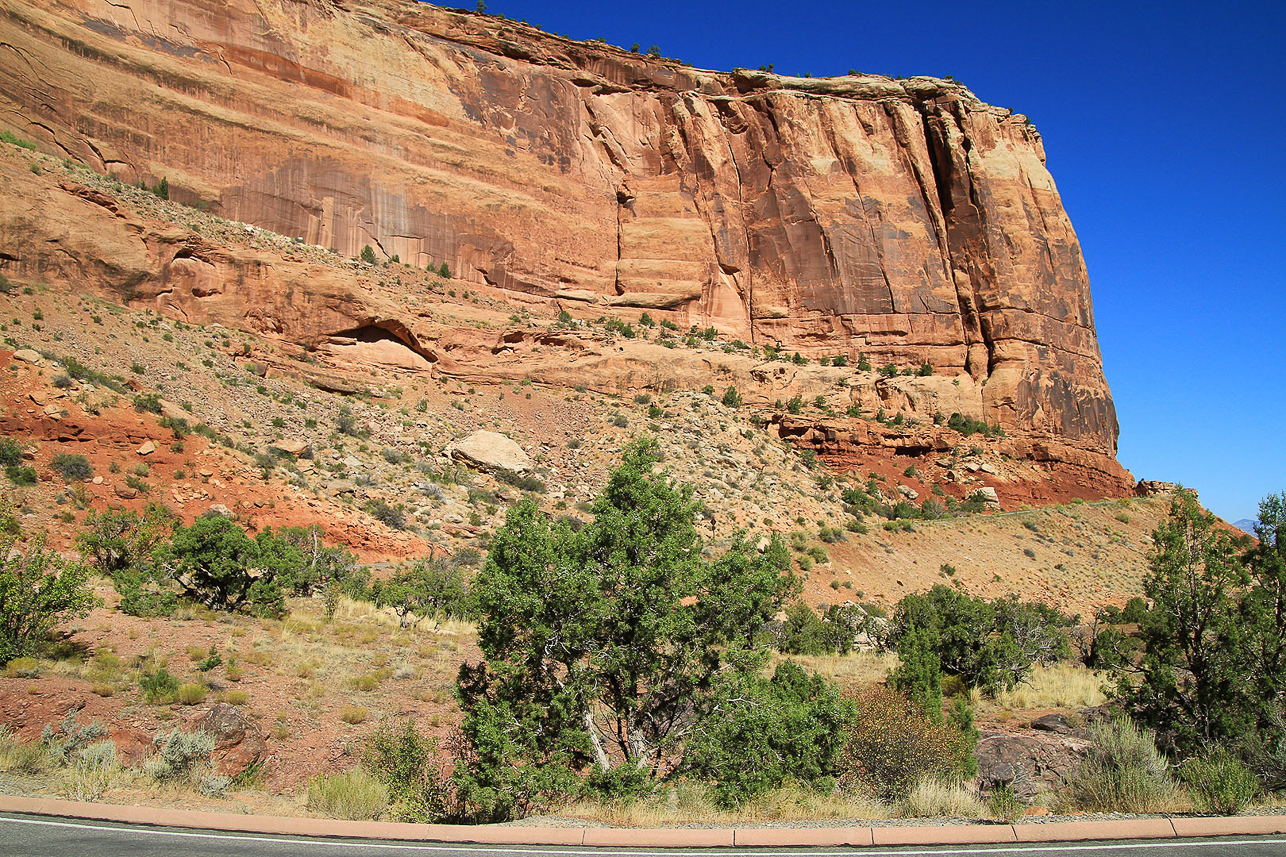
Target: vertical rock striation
x,y
902,219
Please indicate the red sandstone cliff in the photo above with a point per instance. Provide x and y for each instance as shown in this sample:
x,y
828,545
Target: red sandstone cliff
x,y
903,219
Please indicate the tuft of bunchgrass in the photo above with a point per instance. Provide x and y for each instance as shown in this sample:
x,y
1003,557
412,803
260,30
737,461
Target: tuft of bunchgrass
x,y
686,802
1004,805
191,694
352,714
1219,782
353,795
934,798
1060,685
18,756
1122,772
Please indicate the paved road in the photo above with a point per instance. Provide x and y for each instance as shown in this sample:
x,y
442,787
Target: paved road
x,y
29,836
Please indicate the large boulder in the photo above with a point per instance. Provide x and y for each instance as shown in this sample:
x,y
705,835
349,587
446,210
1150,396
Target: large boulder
x,y
238,743
491,451
1033,763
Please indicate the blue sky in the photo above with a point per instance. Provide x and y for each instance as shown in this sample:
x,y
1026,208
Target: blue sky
x,y
1165,129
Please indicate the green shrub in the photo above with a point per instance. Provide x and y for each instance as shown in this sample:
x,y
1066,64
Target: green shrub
x,y
405,762
520,481
1219,781
21,474
368,254
767,731
1122,772
72,468
353,795
159,687
14,140
147,403
119,544
731,398
386,514
432,588
10,452
38,589
803,632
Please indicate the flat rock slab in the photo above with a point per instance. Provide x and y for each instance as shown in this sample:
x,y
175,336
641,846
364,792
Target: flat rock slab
x,y
491,451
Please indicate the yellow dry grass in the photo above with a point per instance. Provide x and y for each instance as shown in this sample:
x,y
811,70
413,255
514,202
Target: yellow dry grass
x,y
1064,686
851,670
930,798
689,803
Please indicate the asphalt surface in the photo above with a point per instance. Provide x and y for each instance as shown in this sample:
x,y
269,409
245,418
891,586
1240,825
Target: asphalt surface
x,y
31,836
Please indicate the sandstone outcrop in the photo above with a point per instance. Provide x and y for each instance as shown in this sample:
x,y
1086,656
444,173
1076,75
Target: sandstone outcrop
x,y
238,743
900,219
491,451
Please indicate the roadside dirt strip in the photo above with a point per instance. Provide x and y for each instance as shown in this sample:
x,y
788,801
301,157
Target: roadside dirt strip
x,y
1147,828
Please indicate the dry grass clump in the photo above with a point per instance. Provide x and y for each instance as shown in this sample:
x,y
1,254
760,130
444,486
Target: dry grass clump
x,y
352,714
18,756
693,803
1059,685
354,795
22,668
365,683
191,694
854,669
934,798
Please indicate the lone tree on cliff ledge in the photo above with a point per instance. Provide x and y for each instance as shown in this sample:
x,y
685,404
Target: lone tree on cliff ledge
x,y
606,648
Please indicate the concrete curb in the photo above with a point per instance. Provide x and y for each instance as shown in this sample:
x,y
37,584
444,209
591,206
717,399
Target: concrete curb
x,y
776,837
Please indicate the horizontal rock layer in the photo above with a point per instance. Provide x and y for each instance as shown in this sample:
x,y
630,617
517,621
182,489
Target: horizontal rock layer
x,y
905,220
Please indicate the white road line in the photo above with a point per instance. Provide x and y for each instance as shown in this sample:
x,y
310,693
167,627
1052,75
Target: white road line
x,y
859,850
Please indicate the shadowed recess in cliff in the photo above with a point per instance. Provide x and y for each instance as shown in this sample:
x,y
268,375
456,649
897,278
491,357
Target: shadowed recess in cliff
x,y
391,347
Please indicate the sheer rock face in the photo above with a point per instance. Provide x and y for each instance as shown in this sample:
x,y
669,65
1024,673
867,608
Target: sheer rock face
x,y
905,220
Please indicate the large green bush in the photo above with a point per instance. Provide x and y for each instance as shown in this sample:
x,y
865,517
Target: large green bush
x,y
758,733
38,589
216,564
990,645
121,544
602,646
431,588
406,763
1219,781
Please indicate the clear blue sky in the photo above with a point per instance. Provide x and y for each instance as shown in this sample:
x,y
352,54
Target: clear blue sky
x,y
1165,129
